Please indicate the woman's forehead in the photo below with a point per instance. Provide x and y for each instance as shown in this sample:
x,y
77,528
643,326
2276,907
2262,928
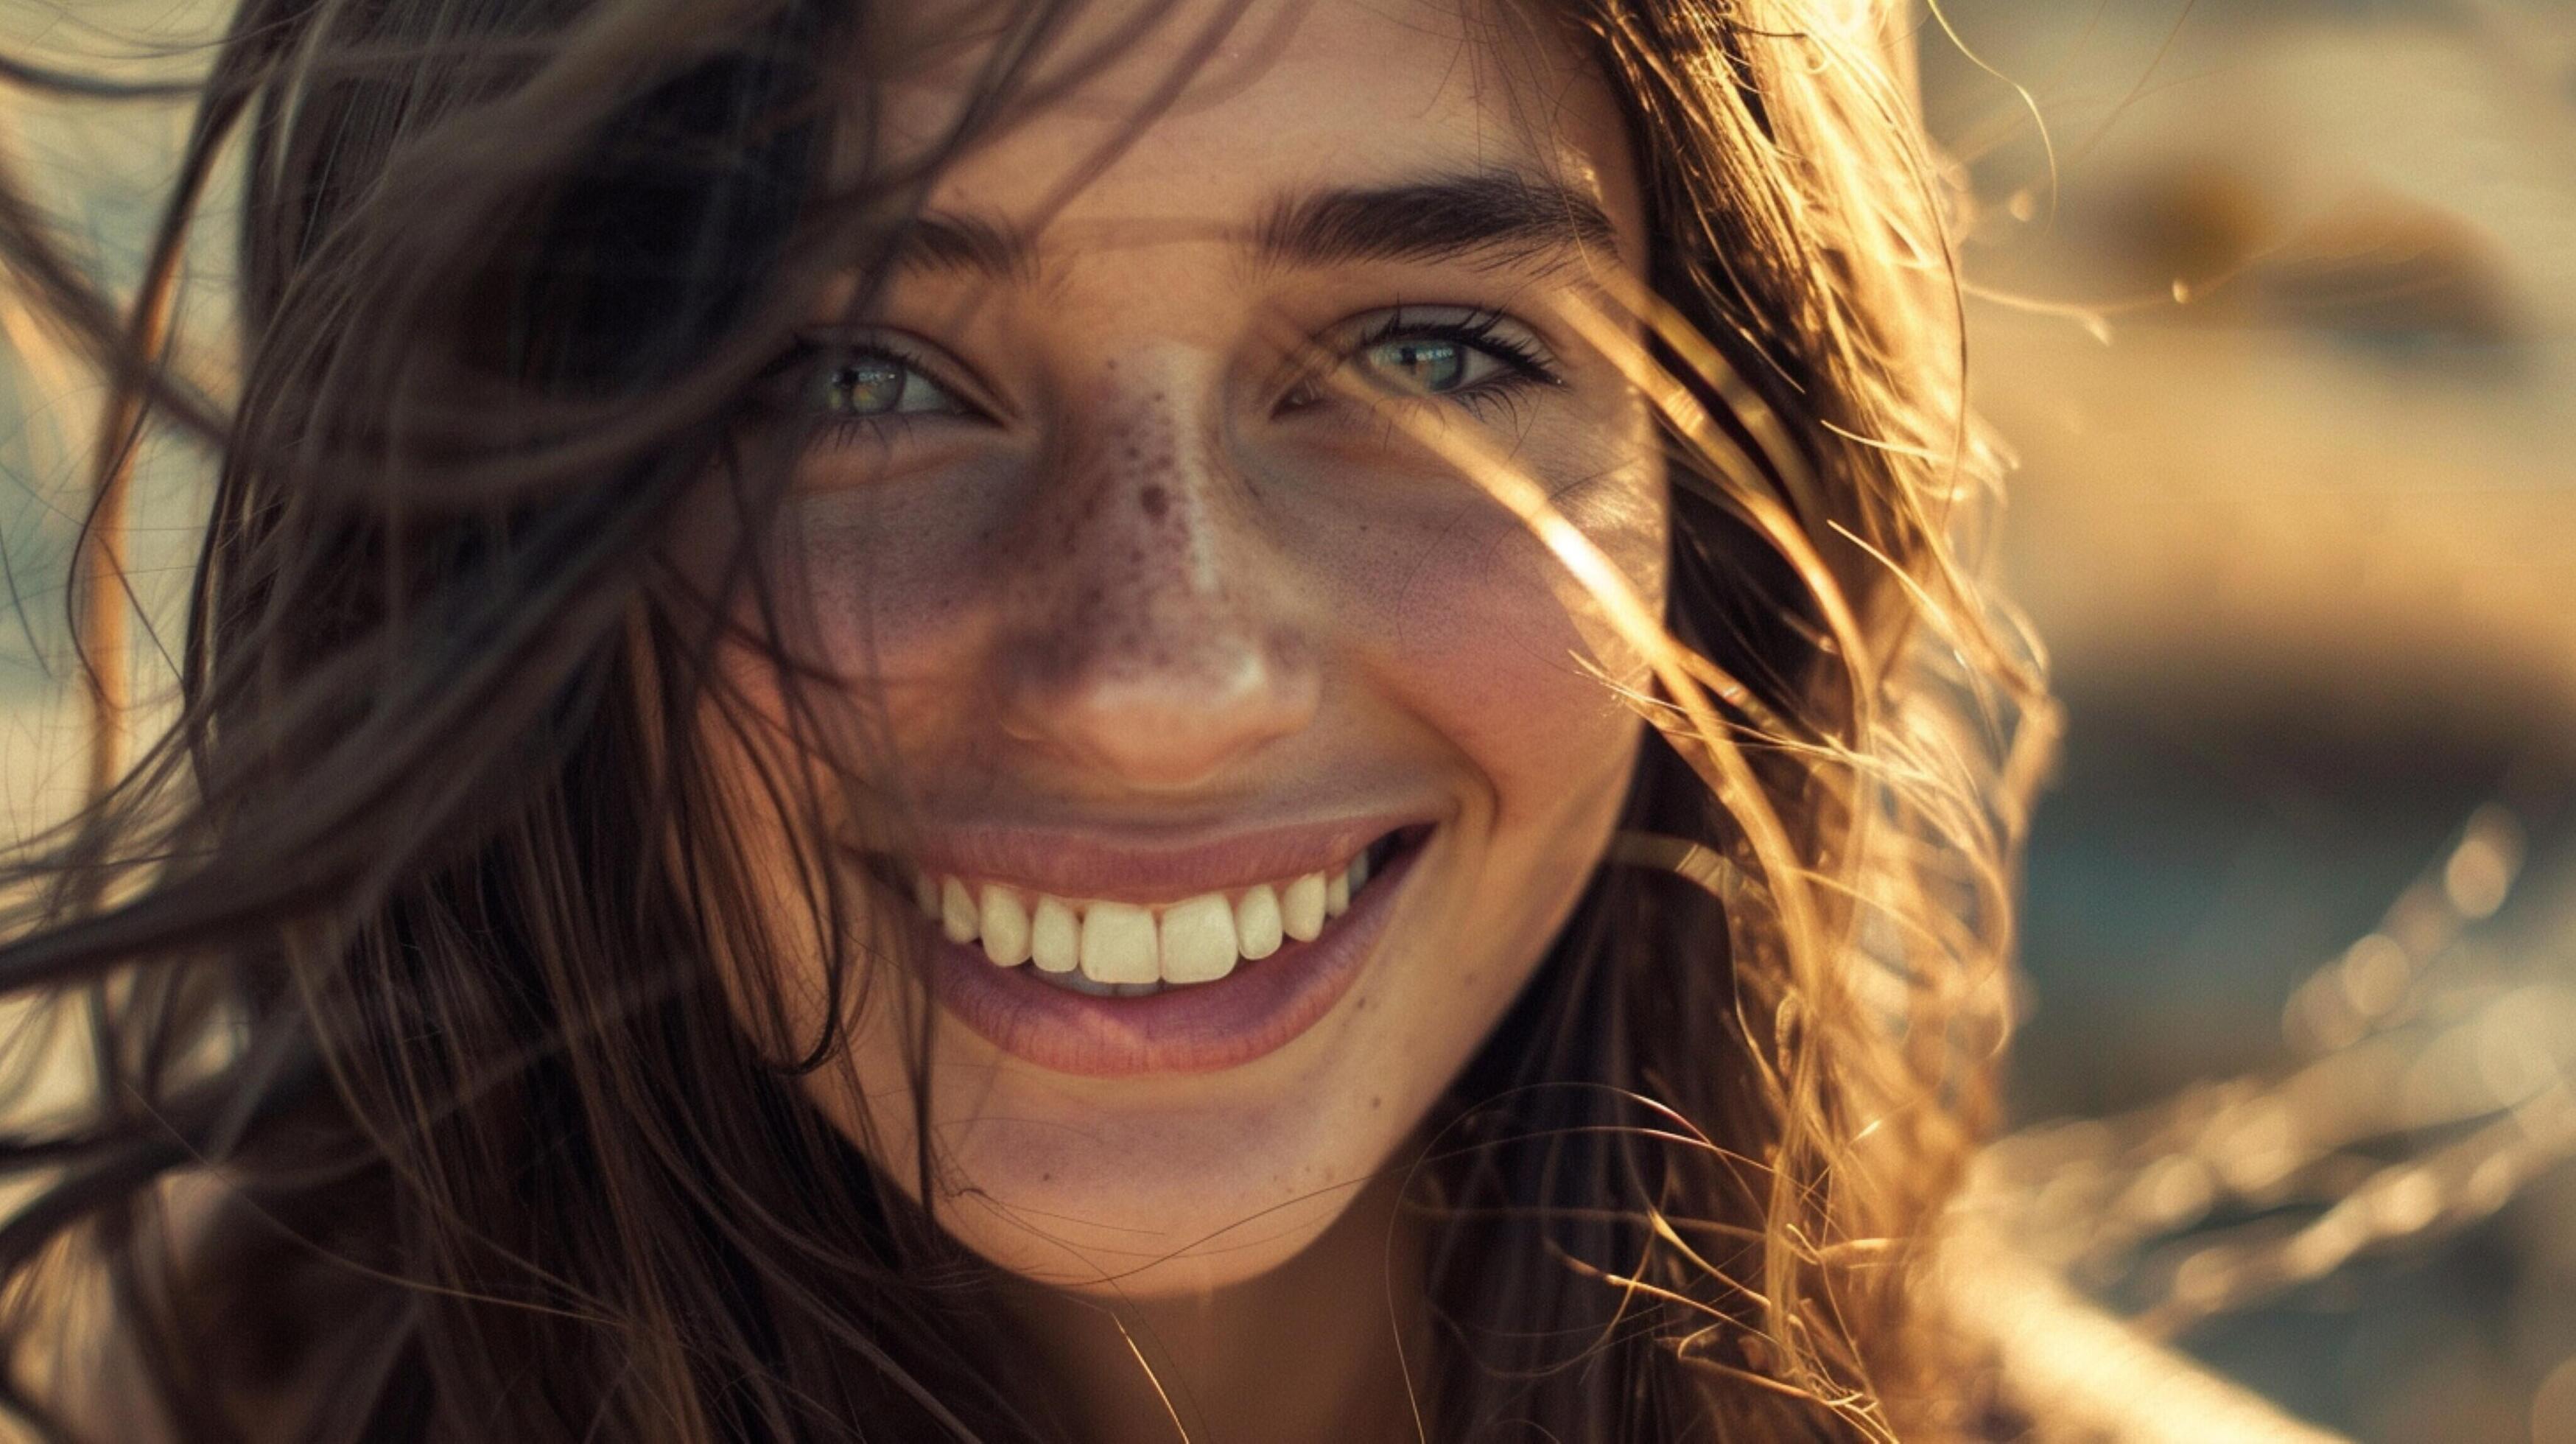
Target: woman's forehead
x,y
1204,118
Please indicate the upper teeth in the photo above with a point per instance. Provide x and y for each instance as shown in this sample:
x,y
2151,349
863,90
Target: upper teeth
x,y
1195,940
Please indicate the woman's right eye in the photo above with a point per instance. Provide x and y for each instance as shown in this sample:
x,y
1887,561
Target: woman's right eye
x,y
874,384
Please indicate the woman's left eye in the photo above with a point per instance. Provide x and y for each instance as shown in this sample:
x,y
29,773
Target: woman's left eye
x,y
1426,367
1466,356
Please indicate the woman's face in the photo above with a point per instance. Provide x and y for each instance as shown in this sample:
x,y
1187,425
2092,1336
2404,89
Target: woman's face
x,y
1138,532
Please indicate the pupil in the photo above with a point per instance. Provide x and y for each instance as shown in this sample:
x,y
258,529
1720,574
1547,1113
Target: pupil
x,y
1426,365
868,387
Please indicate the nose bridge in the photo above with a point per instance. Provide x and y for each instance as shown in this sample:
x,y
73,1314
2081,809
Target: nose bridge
x,y
1151,492
1149,647
1139,494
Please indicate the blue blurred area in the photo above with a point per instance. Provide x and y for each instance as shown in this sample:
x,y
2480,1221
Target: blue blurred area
x,y
2199,856
2192,868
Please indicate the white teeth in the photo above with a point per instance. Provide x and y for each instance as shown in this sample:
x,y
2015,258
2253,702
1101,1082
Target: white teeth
x,y
1124,949
1198,940
957,912
1055,937
1256,923
1301,908
1005,925
1118,944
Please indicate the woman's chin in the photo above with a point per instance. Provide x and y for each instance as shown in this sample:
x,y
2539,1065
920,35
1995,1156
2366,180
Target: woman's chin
x,y
1141,1249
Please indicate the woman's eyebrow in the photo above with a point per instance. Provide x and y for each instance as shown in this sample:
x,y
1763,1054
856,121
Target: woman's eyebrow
x,y
1490,218
951,241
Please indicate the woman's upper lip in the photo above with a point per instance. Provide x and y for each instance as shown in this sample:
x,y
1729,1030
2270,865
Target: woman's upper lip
x,y
1150,864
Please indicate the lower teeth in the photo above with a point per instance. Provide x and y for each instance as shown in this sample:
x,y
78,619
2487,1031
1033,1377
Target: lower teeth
x,y
1080,984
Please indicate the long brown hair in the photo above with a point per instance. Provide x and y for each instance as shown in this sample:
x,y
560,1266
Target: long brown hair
x,y
419,1111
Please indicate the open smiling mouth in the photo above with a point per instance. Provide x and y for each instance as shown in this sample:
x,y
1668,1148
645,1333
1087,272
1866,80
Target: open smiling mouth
x,y
1128,950
1199,982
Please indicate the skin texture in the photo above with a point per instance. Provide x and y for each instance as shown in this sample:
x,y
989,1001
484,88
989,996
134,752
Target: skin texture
x,y
1138,595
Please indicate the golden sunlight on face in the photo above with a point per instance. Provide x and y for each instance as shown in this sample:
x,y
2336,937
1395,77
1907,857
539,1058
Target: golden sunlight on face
x,y
1258,752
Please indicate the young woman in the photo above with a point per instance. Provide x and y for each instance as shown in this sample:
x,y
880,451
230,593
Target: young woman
x,y
1105,720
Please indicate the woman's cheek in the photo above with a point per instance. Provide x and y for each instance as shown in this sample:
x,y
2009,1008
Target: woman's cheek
x,y
892,585
1486,633
1464,623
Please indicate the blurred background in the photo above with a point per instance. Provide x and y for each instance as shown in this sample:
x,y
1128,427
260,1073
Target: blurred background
x,y
2276,302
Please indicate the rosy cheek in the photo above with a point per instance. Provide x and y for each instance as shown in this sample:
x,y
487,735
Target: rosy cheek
x,y
1485,635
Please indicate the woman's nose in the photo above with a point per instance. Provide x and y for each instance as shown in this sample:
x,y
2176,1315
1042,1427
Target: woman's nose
x,y
1149,648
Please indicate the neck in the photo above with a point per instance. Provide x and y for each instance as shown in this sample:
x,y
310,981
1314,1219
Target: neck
x,y
1305,1352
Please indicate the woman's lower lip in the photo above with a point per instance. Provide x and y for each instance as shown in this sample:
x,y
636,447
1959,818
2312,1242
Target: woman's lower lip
x,y
1201,1028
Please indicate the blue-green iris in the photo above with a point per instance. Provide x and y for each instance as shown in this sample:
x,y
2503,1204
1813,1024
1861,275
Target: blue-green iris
x,y
1429,367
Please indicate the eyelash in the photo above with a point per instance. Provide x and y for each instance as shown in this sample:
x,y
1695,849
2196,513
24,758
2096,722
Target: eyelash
x,y
1525,365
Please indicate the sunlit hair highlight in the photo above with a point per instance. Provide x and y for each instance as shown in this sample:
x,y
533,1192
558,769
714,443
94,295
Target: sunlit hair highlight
x,y
1871,776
